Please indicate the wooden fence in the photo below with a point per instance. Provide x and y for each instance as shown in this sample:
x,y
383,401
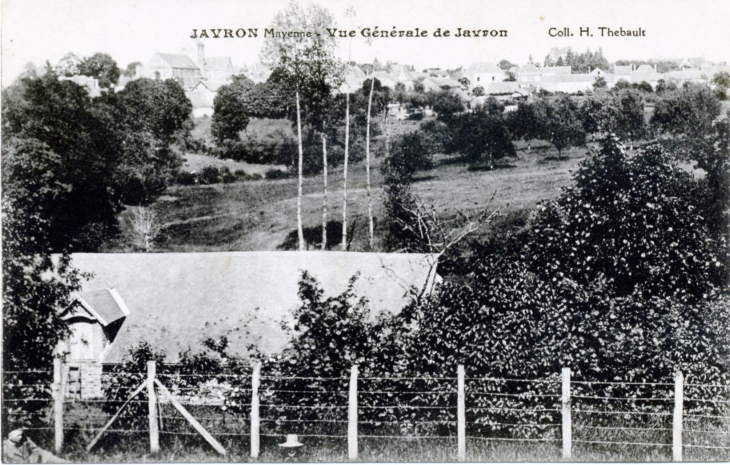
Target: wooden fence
x,y
156,389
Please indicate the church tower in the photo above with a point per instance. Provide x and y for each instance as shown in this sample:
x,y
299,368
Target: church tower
x,y
201,55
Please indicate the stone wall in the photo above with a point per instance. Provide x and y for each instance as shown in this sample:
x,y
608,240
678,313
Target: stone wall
x,y
82,380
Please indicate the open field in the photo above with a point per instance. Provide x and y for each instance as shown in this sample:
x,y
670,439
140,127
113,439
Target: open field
x,y
259,215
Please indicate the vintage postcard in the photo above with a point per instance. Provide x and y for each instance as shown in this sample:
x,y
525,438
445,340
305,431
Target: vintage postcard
x,y
384,231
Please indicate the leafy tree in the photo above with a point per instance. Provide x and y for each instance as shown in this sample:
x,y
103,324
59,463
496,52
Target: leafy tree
x,y
721,78
600,82
688,120
629,124
32,185
644,86
329,334
478,91
446,104
482,135
59,116
527,121
687,112
152,125
101,66
632,219
464,81
505,65
664,86
621,84
409,154
231,112
131,69
563,126
68,65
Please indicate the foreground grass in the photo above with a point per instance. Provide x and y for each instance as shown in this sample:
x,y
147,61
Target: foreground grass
x,y
134,448
188,446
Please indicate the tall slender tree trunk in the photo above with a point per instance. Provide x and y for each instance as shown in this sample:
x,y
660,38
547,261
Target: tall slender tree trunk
x,y
300,230
324,200
344,183
367,165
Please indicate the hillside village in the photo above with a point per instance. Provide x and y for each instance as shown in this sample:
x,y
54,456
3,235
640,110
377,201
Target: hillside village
x,y
202,76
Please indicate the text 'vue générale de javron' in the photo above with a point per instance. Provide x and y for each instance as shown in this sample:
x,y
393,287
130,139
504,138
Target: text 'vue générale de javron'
x,y
367,32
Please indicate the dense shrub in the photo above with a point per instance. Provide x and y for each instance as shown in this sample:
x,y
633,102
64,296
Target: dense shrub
x,y
616,279
276,174
186,178
409,153
226,176
209,175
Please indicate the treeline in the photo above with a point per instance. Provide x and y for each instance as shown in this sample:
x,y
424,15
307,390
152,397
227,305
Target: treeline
x,y
238,102
580,62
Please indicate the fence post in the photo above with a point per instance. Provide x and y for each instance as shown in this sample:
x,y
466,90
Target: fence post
x,y
152,402
255,419
57,390
567,426
460,414
678,410
352,416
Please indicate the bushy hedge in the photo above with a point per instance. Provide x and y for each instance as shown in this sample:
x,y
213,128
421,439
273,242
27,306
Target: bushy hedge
x,y
213,175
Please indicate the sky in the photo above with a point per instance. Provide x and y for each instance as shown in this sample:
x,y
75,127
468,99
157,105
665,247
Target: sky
x,y
133,30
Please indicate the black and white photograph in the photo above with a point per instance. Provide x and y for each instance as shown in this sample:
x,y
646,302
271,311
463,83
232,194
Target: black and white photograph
x,y
385,231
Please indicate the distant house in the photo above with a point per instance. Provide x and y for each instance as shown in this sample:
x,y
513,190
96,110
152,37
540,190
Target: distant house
x,y
176,301
258,72
689,75
174,66
529,75
435,84
570,83
403,76
646,73
386,80
506,90
556,70
623,71
91,84
483,74
219,69
436,72
201,96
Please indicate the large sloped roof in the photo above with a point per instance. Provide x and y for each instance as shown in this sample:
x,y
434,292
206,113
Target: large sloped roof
x,y
569,78
529,68
178,60
178,300
557,70
105,304
498,88
483,68
218,63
